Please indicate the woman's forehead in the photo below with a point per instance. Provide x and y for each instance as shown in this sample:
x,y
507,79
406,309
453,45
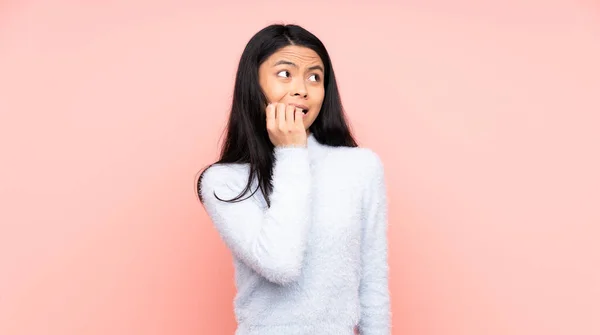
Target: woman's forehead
x,y
293,53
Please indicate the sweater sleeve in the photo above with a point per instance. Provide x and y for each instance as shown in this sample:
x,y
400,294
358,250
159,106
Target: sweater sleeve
x,y
271,241
375,318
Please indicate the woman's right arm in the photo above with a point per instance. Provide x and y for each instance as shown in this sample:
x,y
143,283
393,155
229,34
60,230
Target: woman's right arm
x,y
271,241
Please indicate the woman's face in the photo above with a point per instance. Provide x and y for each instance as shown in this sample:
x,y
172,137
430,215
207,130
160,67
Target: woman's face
x,y
294,75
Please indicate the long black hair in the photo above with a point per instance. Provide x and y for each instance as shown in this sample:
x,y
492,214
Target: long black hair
x,y
247,139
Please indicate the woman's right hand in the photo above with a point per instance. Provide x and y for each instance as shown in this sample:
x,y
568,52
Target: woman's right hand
x,y
285,125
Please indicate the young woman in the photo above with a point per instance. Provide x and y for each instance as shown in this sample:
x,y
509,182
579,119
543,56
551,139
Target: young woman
x,y
302,208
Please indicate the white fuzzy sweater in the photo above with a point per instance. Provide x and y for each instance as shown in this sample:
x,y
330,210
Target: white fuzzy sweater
x,y
315,262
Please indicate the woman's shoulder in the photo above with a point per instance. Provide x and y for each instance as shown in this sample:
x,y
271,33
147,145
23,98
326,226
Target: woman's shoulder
x,y
364,158
362,164
224,174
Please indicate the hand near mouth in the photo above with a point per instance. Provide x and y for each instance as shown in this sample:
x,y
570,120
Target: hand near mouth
x,y
285,125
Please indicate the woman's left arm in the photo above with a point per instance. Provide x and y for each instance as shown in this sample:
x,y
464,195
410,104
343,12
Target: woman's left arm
x,y
375,318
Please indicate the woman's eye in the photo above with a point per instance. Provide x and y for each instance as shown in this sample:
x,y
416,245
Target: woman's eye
x,y
286,73
314,77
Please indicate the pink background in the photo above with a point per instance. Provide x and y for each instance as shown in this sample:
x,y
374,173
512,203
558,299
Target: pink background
x,y
485,113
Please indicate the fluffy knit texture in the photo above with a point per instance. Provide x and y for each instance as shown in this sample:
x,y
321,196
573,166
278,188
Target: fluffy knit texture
x,y
315,262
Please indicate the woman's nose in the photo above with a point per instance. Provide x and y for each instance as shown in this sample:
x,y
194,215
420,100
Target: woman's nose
x,y
299,89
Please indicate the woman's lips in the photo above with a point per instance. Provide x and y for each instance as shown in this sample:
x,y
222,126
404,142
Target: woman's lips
x,y
303,107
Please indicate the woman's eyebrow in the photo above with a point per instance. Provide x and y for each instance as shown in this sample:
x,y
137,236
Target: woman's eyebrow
x,y
287,62
316,67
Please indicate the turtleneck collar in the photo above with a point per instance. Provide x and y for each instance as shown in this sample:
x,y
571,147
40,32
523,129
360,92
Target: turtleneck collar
x,y
315,149
312,141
